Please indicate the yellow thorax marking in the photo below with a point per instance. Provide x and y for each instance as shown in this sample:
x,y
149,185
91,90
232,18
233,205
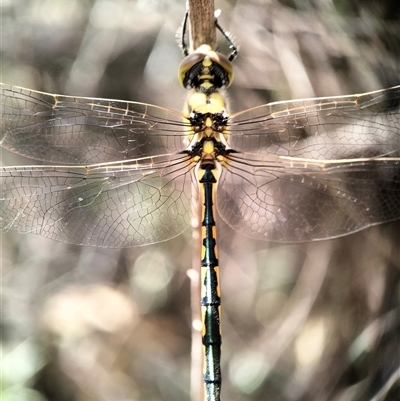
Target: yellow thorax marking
x,y
208,148
212,103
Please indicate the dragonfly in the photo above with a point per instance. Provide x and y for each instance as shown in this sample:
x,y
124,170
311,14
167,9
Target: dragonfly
x,y
122,173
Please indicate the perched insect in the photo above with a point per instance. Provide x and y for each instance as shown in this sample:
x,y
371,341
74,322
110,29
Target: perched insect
x,y
121,172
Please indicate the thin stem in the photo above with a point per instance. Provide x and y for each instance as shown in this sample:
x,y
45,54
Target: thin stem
x,y
202,23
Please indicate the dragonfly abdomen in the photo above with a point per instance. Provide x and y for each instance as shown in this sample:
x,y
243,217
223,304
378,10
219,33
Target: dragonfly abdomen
x,y
210,294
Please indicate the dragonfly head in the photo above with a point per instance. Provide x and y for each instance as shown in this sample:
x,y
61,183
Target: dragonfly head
x,y
205,70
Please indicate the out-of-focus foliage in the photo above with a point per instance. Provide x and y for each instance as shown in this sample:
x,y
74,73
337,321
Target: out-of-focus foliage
x,y
315,321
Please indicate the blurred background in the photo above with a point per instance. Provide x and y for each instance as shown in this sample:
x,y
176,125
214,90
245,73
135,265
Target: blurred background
x,y
317,321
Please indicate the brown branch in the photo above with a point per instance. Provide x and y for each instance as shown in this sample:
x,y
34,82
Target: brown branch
x,y
202,23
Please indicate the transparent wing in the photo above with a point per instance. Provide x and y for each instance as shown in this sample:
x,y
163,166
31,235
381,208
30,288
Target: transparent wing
x,y
289,200
366,125
108,205
79,130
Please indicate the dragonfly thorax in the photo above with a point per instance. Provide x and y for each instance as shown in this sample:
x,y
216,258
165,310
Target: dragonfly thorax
x,y
206,103
206,114
208,150
208,122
